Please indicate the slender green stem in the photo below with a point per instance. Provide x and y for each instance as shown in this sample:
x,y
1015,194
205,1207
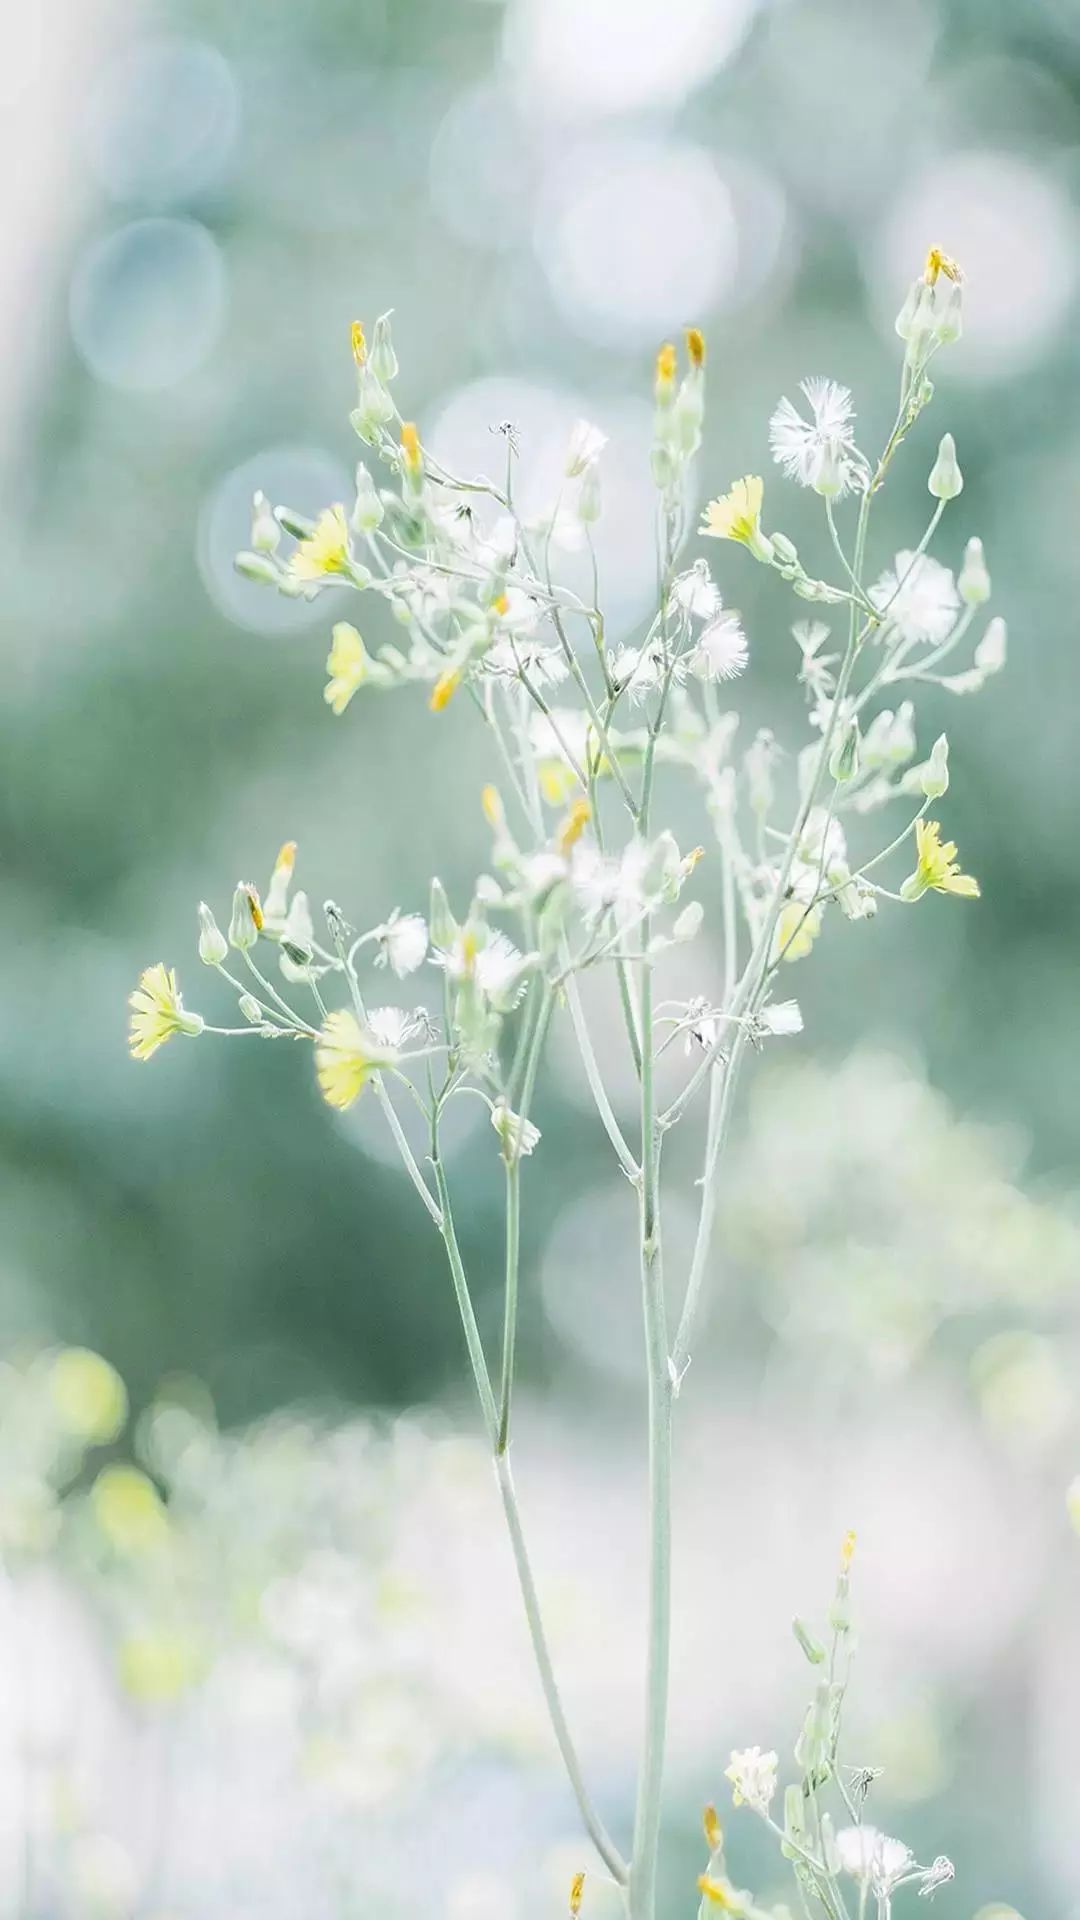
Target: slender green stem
x,y
592,1073
512,1156
473,1341
721,1100
651,1771
649,1806
594,1826
510,1297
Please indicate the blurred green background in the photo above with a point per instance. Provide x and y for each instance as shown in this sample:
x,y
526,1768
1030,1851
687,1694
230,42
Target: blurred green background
x,y
200,199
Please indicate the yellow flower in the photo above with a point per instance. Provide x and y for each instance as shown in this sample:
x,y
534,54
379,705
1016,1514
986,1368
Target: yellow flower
x,y
737,514
444,689
359,344
345,1059
574,824
88,1394
326,549
158,1012
796,930
667,365
410,449
129,1510
714,1832
847,1551
938,262
721,1893
577,1888
557,781
695,346
275,907
156,1667
347,665
936,866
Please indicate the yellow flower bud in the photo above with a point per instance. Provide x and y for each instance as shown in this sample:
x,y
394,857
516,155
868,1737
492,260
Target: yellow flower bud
x,y
937,263
577,1887
574,824
695,346
359,344
410,449
444,689
667,363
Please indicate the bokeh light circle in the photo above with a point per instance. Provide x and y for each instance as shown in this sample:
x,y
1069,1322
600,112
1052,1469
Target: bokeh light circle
x,y
481,172
589,57
1015,234
589,1273
147,303
163,121
637,235
305,478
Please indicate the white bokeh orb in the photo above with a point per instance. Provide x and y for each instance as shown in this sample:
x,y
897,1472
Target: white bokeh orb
x,y
147,303
589,57
1013,230
637,236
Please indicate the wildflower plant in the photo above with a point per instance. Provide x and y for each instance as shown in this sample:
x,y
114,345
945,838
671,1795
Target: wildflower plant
x,y
585,877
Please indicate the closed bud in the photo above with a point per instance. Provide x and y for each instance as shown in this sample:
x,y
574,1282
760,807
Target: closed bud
x,y
830,478
276,904
905,319
950,322
382,359
689,413
844,758
663,464
829,1851
946,479
758,766
784,550
295,523
973,581
251,1009
246,923
368,512
993,647
258,566
667,363
441,921
795,1829
812,1746
373,408
935,774
589,501
812,1648
688,924
265,532
213,945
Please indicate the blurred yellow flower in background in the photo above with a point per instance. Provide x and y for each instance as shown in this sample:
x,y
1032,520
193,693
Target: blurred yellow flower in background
x,y
347,665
